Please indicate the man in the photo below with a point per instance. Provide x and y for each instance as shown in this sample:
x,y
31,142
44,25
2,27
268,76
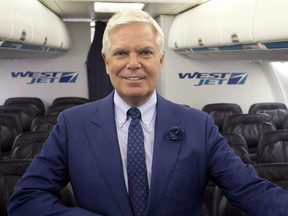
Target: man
x,y
90,146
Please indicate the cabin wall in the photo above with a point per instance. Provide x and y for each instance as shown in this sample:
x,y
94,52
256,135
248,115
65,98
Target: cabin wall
x,y
47,78
199,82
180,80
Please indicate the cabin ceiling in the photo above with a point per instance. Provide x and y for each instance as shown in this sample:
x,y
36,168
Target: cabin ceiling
x,y
83,9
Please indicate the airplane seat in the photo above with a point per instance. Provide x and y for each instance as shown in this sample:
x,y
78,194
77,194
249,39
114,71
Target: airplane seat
x,y
69,100
251,127
222,207
220,111
239,145
272,147
10,127
27,144
43,122
274,172
278,111
11,171
24,114
34,102
285,123
56,109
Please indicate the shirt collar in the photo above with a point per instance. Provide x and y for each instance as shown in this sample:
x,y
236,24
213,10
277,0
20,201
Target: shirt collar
x,y
148,110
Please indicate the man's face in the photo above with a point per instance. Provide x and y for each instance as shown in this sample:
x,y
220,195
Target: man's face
x,y
134,62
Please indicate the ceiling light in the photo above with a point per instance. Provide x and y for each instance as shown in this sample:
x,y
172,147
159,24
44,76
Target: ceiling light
x,y
108,7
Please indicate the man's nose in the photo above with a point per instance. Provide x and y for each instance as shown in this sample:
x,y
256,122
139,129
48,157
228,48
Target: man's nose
x,y
133,62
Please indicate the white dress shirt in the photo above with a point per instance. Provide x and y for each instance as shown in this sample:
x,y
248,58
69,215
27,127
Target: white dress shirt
x,y
148,115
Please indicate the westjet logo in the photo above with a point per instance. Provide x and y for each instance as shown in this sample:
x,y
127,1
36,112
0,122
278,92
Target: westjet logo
x,y
223,78
47,77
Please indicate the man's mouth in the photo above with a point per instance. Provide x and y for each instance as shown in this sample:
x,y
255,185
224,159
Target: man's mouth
x,y
133,78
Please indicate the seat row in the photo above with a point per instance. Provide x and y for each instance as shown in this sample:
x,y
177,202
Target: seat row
x,y
271,162
261,119
274,172
36,105
27,114
220,111
11,171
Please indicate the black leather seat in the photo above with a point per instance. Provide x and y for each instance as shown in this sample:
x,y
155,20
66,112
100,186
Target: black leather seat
x,y
56,109
277,111
35,103
250,126
220,111
69,100
285,123
43,123
24,114
273,147
10,127
239,146
274,172
11,171
28,144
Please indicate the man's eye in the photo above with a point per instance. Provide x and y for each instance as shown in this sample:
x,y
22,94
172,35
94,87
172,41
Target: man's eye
x,y
146,53
120,53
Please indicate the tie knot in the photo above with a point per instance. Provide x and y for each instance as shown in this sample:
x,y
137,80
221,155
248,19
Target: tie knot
x,y
134,113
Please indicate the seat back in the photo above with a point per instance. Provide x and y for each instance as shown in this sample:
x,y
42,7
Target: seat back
x,y
56,109
285,123
239,146
10,172
250,126
10,127
273,147
24,114
35,103
274,172
28,144
45,121
69,100
277,111
220,111
222,207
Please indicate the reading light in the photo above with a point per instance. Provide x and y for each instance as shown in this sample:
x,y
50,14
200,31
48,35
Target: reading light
x,y
109,7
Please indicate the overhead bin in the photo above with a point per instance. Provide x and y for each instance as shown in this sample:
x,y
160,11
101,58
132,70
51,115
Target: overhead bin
x,y
21,23
237,22
270,21
225,26
30,26
204,25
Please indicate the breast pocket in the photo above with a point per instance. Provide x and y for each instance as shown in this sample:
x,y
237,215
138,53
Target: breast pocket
x,y
185,164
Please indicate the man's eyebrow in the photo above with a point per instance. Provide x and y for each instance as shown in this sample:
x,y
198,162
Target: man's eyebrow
x,y
119,50
146,48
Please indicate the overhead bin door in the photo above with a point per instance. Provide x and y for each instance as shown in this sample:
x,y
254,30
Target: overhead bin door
x,y
204,25
238,22
5,21
270,23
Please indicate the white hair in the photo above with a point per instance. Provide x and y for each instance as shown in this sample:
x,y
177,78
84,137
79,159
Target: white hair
x,y
127,17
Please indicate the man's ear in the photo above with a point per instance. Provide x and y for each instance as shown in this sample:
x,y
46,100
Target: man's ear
x,y
162,58
105,62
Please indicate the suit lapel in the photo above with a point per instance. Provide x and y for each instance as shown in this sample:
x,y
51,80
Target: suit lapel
x,y
164,155
104,143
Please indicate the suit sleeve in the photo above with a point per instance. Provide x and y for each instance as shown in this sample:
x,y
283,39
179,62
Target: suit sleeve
x,y
38,191
240,182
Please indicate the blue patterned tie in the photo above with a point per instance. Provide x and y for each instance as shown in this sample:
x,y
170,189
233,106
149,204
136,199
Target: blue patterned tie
x,y
136,165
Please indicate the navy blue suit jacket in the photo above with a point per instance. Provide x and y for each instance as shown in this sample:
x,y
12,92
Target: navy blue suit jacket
x,y
83,149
